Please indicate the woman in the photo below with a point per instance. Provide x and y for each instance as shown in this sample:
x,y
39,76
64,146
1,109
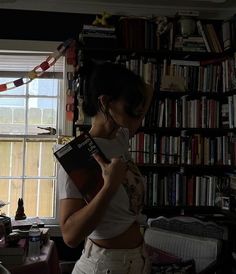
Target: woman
x,y
117,100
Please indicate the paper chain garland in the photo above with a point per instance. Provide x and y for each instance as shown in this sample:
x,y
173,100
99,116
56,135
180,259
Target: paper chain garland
x,y
38,70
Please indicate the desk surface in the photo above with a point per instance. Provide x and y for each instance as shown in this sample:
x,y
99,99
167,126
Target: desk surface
x,y
47,264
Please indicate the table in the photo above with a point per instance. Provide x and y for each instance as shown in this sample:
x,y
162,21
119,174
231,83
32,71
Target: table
x,y
47,264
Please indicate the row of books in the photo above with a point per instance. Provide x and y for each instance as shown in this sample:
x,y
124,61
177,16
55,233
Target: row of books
x,y
143,66
173,189
137,33
229,33
215,76
170,112
204,113
232,111
179,190
146,33
192,150
219,150
98,37
212,76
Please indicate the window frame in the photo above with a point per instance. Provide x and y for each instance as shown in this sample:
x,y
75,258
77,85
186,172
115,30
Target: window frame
x,y
65,127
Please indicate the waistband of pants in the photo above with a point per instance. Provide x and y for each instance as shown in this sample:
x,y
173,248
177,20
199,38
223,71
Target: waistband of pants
x,y
93,249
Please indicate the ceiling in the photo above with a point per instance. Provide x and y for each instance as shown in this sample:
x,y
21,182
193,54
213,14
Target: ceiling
x,y
209,8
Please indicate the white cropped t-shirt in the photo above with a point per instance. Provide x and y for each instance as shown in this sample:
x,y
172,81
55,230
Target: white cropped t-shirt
x,y
126,204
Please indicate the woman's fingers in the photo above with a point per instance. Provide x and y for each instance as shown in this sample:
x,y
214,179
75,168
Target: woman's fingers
x,y
118,162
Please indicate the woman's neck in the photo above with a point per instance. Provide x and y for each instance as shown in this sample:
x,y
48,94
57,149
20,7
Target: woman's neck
x,y
103,128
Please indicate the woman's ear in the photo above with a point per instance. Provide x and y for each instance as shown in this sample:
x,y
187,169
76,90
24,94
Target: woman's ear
x,y
103,101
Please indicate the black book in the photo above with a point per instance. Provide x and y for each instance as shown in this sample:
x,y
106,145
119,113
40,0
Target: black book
x,y
76,157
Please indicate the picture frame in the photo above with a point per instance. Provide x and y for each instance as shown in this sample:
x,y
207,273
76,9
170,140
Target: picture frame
x,y
225,202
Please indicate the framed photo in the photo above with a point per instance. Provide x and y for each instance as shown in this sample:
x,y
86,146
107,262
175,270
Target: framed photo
x,y
225,202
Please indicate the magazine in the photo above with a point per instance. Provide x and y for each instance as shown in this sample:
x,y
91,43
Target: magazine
x,y
76,157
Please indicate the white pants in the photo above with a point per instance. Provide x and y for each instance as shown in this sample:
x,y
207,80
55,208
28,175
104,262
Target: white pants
x,y
97,260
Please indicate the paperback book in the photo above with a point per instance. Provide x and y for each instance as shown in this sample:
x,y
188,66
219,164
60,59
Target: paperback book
x,y
76,157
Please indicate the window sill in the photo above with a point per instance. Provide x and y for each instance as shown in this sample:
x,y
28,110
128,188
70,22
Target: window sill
x,y
54,230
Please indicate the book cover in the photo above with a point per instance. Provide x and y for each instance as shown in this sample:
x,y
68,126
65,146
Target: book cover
x,y
76,157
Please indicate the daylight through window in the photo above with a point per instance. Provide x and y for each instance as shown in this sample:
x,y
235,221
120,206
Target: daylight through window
x,y
27,166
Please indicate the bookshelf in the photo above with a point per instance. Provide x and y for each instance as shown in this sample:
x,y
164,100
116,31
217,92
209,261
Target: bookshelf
x,y
187,140
186,146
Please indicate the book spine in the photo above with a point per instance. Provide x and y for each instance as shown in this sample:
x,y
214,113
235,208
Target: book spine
x,y
201,31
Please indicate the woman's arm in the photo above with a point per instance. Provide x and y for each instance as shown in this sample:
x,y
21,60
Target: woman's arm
x,y
78,219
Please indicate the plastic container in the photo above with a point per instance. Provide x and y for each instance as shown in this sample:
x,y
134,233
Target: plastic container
x,y
34,242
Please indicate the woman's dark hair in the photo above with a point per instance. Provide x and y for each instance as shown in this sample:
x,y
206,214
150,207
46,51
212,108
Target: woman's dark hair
x,y
117,82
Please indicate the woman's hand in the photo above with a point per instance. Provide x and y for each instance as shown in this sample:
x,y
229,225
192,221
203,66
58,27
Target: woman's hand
x,y
113,172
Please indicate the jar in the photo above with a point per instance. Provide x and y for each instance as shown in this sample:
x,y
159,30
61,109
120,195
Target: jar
x,y
187,25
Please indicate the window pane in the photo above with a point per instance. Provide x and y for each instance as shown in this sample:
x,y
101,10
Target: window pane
x,y
5,149
12,116
30,197
48,164
15,91
38,197
46,198
42,112
12,162
4,186
10,192
39,159
47,87
28,167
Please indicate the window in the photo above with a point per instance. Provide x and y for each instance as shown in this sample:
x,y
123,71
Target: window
x,y
27,166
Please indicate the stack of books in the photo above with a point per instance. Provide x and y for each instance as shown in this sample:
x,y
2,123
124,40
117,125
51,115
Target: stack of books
x,y
13,254
98,36
191,43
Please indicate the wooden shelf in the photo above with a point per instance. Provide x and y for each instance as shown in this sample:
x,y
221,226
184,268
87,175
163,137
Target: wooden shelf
x,y
187,131
158,54
185,169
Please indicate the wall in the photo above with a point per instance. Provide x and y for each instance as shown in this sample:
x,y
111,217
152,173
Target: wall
x,y
39,25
